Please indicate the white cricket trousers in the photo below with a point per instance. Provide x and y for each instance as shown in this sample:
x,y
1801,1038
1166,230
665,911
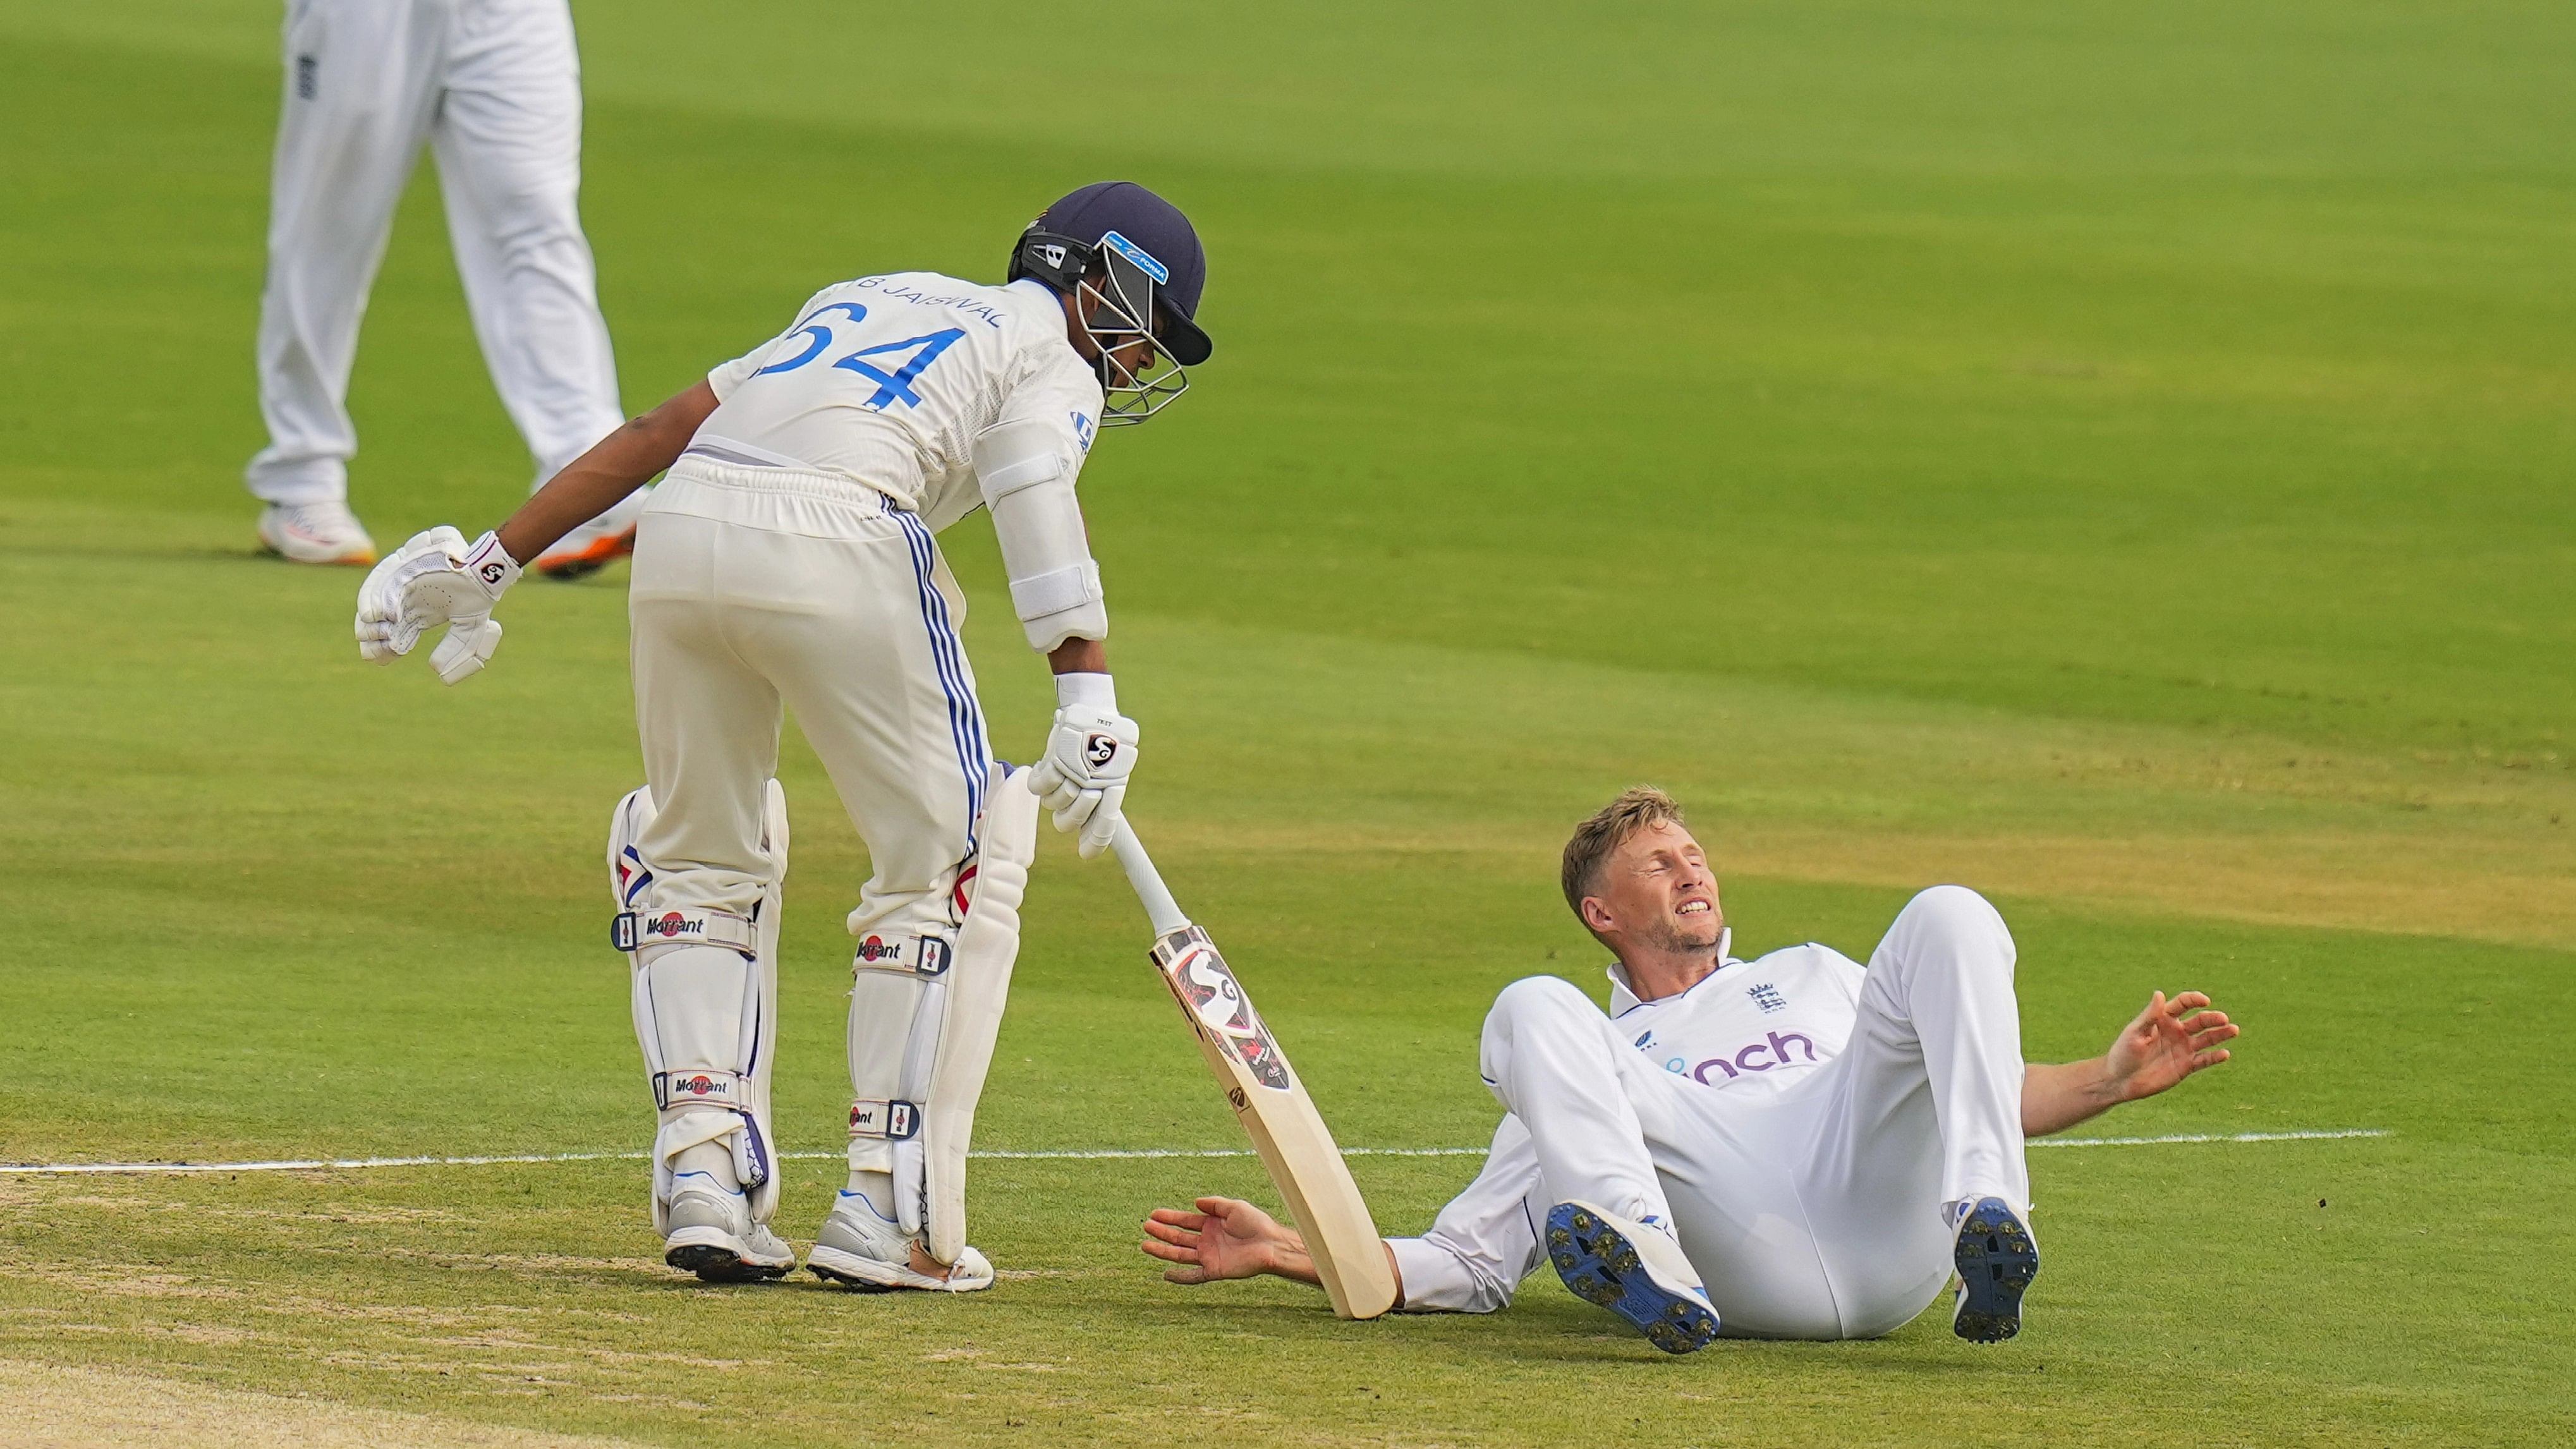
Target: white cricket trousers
x,y
757,588
494,87
1815,1211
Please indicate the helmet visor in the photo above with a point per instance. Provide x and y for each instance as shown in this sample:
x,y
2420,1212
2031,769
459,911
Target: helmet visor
x,y
1139,376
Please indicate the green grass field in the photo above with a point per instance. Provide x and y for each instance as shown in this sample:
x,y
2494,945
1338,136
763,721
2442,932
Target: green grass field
x,y
2116,457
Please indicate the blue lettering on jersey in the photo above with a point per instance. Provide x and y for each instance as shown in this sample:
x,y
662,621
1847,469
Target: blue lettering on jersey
x,y
1082,430
822,336
914,295
892,387
896,386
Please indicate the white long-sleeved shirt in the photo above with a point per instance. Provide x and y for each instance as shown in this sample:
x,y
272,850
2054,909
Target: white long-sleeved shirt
x,y
1749,1026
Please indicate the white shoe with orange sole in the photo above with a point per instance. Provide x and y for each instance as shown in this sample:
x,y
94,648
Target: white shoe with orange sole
x,y
315,533
596,544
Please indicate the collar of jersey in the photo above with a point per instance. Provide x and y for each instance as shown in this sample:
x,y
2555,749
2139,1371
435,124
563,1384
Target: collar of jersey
x,y
1623,997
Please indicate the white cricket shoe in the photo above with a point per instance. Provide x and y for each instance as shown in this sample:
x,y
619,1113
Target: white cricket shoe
x,y
315,533
709,1232
861,1250
1997,1258
596,544
1635,1269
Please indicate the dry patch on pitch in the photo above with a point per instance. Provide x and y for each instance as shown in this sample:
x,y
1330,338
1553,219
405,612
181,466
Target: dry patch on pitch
x,y
53,1407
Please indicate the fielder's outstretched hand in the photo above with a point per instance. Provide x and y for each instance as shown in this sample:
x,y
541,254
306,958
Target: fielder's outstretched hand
x,y
1226,1238
436,580
2169,1041
1083,778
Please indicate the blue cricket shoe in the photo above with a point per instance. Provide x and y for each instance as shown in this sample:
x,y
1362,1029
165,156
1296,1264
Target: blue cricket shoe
x,y
1996,1259
1634,1270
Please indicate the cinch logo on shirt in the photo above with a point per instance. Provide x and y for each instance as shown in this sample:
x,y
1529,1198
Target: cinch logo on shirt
x,y
1760,1056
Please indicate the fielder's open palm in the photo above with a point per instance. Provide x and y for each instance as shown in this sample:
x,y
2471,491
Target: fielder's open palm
x,y
1225,1238
2169,1041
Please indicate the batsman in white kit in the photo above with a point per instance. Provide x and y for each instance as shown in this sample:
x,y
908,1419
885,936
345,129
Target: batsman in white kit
x,y
788,559
1789,1147
493,87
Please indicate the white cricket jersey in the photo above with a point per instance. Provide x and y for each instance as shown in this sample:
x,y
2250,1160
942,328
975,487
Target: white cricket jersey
x,y
1748,1026
888,380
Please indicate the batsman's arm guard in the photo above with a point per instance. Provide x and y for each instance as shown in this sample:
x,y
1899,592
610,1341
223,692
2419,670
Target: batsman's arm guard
x,y
987,948
1027,479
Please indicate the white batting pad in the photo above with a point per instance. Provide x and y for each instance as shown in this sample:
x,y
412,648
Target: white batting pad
x,y
705,999
979,986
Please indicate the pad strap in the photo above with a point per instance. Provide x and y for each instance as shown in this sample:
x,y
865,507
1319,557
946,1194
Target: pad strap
x,y
702,1088
631,931
885,1119
922,955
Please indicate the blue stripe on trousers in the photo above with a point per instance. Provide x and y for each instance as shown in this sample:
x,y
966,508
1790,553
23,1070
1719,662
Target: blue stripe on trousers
x,y
965,716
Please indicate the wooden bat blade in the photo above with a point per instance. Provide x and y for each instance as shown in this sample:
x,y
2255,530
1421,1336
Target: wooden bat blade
x,y
1296,1147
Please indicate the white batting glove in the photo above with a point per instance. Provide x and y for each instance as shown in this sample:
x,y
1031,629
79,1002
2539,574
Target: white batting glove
x,y
437,579
1090,753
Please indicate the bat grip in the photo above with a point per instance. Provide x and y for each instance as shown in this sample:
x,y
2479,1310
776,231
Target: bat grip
x,y
1160,908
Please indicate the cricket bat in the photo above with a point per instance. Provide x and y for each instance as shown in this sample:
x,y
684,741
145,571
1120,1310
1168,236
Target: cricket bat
x,y
1287,1131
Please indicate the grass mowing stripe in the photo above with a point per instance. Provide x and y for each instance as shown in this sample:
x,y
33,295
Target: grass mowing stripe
x,y
1078,1154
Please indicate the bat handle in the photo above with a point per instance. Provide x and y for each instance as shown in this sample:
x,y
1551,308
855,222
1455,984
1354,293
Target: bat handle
x,y
1160,908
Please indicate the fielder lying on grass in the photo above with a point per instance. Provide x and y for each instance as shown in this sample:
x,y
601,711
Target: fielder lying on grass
x,y
1794,1145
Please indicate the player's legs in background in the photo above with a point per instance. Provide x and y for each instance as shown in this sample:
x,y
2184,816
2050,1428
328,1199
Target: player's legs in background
x,y
1594,1107
882,689
1920,1113
709,854
508,144
359,92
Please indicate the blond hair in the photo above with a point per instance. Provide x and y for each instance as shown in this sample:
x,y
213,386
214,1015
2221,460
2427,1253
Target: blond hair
x,y
1637,808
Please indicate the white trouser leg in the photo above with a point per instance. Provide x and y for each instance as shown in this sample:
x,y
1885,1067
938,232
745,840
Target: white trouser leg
x,y
708,720
361,86
1922,1108
709,727
1592,1103
1611,1127
859,634
508,142
917,809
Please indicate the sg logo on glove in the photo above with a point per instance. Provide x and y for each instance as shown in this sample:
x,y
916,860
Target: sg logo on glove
x,y
1098,750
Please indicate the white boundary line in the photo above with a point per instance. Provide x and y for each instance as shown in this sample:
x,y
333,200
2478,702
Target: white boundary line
x,y
1106,1154
2320,1136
